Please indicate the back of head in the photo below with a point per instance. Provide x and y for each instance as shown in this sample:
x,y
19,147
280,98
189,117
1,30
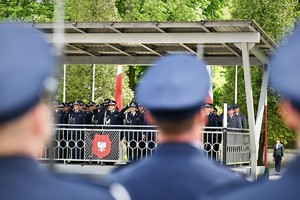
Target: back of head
x,y
284,78
26,61
174,90
285,70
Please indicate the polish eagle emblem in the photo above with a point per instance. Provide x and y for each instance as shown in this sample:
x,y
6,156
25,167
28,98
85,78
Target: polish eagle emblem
x,y
101,145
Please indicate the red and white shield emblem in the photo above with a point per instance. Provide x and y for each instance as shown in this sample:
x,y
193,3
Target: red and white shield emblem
x,y
101,145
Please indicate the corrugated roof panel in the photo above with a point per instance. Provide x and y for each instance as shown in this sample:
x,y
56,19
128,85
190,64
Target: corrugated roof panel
x,y
266,45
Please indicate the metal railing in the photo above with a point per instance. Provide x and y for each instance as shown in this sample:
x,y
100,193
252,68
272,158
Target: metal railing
x,y
121,144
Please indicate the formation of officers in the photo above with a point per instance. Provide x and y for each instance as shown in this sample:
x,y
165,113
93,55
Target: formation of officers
x,y
107,113
235,119
77,113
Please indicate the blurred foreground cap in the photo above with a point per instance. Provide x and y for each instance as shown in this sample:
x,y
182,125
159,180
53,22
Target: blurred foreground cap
x,y
175,88
285,69
26,61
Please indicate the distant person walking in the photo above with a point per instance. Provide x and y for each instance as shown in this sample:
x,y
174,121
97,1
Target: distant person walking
x,y
277,156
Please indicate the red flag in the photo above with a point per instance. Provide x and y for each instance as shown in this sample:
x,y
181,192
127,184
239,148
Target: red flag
x,y
209,98
118,94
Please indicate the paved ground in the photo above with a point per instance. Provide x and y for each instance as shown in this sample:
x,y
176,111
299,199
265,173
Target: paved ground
x,y
98,171
93,171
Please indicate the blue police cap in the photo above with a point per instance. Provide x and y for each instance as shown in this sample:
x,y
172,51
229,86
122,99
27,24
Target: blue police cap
x,y
106,101
26,62
112,103
175,88
234,106
99,106
132,104
81,103
76,103
209,105
61,105
91,103
230,107
285,70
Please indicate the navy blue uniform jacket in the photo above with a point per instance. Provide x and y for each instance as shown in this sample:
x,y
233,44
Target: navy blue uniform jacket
x,y
21,178
77,117
137,119
175,171
287,187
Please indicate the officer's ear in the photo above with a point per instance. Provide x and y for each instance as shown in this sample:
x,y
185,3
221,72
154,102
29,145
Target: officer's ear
x,y
289,115
41,121
202,117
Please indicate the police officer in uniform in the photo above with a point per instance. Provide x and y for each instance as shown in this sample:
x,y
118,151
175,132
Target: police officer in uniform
x,y
278,154
57,112
178,169
212,117
64,133
97,117
234,121
76,137
134,139
242,117
105,103
210,138
65,119
25,121
133,117
91,111
284,77
148,136
77,116
112,116
59,134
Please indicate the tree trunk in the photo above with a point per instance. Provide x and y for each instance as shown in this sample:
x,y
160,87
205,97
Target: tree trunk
x,y
260,161
131,78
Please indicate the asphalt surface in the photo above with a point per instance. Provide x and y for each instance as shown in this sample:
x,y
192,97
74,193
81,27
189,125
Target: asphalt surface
x,y
99,172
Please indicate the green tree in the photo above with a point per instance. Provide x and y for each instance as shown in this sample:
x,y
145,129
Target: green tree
x,y
162,10
79,80
27,10
79,77
216,9
277,19
168,10
91,11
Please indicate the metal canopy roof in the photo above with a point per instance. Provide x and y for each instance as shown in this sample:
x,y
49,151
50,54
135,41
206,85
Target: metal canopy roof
x,y
142,42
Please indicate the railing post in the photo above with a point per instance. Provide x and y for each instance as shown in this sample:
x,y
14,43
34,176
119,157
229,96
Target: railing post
x,y
225,134
224,146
